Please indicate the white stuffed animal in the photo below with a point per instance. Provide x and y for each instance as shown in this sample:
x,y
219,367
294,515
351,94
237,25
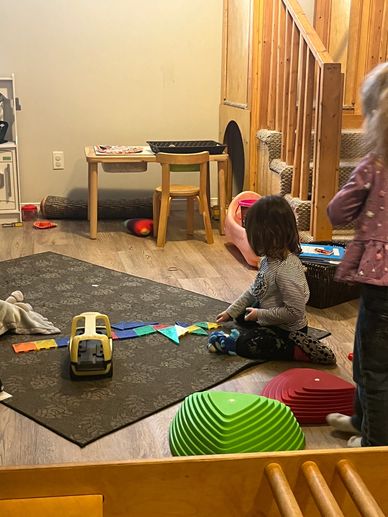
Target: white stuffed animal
x,y
18,317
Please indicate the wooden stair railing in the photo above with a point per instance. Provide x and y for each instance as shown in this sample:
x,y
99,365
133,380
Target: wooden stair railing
x,y
304,92
323,497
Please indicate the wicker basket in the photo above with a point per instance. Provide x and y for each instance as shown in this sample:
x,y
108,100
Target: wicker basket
x,y
324,290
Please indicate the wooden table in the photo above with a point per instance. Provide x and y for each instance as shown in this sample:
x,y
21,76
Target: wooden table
x,y
93,160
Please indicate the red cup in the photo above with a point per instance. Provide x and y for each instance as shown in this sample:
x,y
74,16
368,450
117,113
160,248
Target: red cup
x,y
29,212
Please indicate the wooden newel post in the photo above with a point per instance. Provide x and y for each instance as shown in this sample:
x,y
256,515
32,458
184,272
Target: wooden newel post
x,y
326,147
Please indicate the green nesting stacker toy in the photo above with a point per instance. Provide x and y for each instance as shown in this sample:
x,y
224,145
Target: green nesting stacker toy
x,y
218,422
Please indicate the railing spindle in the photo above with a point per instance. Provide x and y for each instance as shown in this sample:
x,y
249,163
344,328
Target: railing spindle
x,y
273,67
307,124
283,495
280,65
287,68
291,112
299,124
323,497
359,492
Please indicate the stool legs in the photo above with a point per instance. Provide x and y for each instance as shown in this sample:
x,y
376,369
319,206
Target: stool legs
x,y
163,217
190,216
156,212
204,209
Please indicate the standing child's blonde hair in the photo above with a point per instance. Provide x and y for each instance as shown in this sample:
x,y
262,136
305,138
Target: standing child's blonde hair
x,y
374,98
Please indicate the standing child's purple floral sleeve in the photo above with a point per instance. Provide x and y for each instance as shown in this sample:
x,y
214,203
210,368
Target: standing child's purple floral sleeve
x,y
348,202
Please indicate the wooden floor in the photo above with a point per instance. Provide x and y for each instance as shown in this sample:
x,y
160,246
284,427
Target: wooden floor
x,y
214,270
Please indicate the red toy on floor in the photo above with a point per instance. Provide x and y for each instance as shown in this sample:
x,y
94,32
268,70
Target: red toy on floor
x,y
139,227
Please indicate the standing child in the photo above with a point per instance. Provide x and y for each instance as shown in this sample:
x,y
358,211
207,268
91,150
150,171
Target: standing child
x,y
274,307
365,199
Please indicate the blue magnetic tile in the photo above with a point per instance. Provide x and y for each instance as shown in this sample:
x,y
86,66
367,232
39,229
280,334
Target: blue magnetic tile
x,y
125,334
126,325
182,324
62,341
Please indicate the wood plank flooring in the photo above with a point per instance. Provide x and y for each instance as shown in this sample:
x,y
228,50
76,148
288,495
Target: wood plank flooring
x,y
215,270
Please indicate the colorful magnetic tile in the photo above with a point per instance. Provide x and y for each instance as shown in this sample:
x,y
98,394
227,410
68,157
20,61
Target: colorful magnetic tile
x,y
126,325
24,347
199,332
181,331
202,324
161,326
143,331
182,324
45,344
207,325
194,329
126,334
170,333
114,335
62,341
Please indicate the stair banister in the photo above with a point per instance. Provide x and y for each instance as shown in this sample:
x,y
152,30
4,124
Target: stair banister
x,y
304,97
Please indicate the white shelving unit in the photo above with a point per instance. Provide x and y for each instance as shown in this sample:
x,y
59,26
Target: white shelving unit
x,y
9,163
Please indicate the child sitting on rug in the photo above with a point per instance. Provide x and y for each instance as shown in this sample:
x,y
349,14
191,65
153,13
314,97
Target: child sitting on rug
x,y
274,307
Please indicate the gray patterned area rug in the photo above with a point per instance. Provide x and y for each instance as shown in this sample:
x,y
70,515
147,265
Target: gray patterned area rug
x,y
150,372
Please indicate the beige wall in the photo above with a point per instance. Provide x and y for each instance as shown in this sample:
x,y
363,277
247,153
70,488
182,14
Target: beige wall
x,y
100,71
308,6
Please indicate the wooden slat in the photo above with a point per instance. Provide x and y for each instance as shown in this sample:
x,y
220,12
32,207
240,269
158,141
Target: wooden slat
x,y
322,16
383,51
375,26
323,497
293,89
264,68
224,50
280,66
282,492
307,124
351,82
359,492
273,66
362,54
328,128
256,86
286,93
299,124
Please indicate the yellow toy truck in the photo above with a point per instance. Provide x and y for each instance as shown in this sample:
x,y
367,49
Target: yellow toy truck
x,y
90,346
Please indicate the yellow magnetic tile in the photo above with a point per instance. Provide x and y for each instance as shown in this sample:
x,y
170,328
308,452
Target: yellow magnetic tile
x,y
45,344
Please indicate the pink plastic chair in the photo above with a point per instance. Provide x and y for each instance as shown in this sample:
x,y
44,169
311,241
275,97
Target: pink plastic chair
x,y
235,233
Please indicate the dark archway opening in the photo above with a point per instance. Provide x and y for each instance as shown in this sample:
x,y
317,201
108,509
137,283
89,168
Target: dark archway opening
x,y
234,141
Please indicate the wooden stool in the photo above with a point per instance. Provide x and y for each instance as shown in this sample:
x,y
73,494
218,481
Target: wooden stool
x,y
163,194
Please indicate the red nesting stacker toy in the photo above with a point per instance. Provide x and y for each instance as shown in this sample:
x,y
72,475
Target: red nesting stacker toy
x,y
311,394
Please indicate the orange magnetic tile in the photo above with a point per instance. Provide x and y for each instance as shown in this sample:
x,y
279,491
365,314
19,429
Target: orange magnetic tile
x,y
24,347
45,344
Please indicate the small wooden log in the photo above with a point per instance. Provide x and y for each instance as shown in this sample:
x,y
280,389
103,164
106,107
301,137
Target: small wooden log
x,y
55,207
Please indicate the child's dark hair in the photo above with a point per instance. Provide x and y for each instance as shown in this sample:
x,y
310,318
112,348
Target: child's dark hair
x,y
271,228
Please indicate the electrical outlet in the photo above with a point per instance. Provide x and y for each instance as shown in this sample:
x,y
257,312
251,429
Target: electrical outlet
x,y
58,160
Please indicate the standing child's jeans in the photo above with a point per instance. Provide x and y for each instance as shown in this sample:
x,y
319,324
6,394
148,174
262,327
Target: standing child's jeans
x,y
370,366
